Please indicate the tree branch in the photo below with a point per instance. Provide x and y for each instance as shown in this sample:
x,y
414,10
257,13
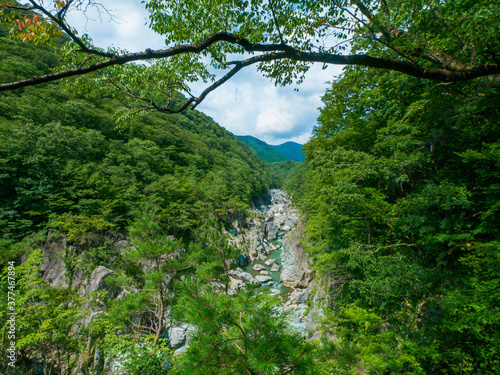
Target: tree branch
x,y
279,51
59,21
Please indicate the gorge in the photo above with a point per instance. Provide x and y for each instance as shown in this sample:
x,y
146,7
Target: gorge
x,y
139,241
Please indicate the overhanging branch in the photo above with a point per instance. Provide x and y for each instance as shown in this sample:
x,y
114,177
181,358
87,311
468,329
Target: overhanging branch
x,y
279,51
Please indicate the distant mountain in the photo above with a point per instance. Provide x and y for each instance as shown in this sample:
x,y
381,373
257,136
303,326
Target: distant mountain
x,y
270,153
291,150
262,149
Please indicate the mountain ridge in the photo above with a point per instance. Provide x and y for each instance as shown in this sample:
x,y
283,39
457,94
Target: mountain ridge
x,y
274,153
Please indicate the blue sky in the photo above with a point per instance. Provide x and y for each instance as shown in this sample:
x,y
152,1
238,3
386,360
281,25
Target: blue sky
x,y
248,104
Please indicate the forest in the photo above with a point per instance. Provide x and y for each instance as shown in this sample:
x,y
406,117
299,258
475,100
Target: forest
x,y
102,178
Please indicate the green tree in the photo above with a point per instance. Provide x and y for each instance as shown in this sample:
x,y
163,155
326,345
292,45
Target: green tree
x,y
397,220
242,334
446,41
157,254
45,320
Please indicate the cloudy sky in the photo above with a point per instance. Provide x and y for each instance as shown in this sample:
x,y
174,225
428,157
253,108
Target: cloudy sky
x,y
248,104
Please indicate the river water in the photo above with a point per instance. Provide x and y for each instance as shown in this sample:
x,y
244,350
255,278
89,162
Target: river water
x,y
275,254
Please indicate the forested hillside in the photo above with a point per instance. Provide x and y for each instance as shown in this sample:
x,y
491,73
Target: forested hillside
x,y
64,155
262,149
402,204
274,153
74,182
291,150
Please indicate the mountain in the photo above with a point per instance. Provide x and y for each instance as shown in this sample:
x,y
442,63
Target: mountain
x,y
291,150
262,149
271,153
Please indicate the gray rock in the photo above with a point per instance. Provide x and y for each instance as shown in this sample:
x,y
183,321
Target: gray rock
x,y
275,267
270,262
263,279
295,266
272,231
258,267
264,273
53,267
96,280
180,335
298,296
239,274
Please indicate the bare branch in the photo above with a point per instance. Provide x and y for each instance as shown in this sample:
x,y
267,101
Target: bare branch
x,y
59,21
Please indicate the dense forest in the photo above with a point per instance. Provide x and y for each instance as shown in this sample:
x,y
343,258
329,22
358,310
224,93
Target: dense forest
x,y
399,197
402,203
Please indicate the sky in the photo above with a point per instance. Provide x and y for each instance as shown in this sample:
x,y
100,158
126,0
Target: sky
x,y
248,104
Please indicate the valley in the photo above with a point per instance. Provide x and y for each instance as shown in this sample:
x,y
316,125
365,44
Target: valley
x,y
139,237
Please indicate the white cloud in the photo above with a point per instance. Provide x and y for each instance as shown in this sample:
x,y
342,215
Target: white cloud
x,y
250,104
122,24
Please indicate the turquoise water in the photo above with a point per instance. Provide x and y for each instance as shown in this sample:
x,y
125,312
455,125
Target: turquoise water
x,y
276,254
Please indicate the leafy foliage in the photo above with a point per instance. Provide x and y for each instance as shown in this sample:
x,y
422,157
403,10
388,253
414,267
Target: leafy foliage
x,y
396,199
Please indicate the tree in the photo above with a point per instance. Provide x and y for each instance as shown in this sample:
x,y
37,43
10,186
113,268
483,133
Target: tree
x,y
157,253
400,202
46,319
243,334
439,40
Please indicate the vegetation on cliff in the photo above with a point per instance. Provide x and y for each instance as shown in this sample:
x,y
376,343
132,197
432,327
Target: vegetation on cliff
x,y
401,199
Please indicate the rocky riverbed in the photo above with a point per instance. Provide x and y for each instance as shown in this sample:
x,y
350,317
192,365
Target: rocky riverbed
x,y
272,257
274,239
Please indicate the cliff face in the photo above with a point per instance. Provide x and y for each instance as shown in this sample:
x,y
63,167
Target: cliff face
x,y
296,272
279,218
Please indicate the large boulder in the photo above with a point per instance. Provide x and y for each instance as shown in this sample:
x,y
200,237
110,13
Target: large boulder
x,y
272,230
96,280
295,268
180,335
270,262
258,267
239,274
264,279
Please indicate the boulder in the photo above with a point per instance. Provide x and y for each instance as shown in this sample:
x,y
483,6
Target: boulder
x,y
258,267
298,296
275,267
264,273
180,335
263,278
272,230
234,286
270,262
239,274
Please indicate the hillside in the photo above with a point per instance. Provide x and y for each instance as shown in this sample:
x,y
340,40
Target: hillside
x,y
63,156
271,154
262,149
291,150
